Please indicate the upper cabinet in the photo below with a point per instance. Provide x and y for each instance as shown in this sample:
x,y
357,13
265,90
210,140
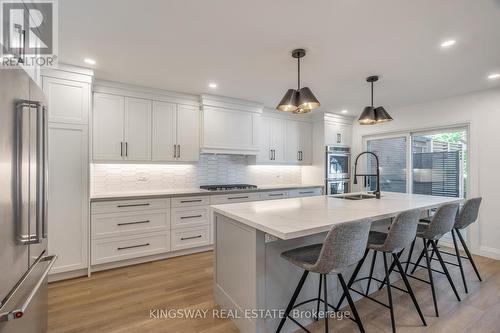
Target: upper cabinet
x,y
338,133
69,100
131,129
271,140
298,142
175,132
229,126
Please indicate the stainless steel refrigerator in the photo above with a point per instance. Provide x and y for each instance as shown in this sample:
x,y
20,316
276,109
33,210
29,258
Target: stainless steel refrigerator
x,y
24,263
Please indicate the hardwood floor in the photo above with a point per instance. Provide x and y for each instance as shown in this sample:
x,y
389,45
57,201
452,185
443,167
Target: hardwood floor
x,y
120,300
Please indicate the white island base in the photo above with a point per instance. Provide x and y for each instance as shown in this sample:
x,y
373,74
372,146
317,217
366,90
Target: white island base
x,y
251,277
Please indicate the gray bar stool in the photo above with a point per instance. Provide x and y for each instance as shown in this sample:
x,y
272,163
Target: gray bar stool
x,y
467,215
401,234
441,223
343,248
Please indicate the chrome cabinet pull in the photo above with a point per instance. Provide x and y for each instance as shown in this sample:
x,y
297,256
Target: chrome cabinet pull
x,y
133,205
233,198
132,246
19,312
191,217
196,200
186,238
136,222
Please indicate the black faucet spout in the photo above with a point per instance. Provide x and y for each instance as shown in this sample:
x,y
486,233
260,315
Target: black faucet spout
x,y
377,191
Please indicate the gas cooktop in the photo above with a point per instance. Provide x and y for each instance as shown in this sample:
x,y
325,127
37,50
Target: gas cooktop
x,y
228,187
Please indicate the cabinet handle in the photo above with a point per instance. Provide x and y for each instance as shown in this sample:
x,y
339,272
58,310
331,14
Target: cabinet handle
x,y
190,217
307,192
194,200
178,151
132,246
121,149
186,238
175,151
136,222
276,195
270,154
133,205
126,149
233,198
339,137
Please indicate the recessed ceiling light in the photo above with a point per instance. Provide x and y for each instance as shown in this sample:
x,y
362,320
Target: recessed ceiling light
x,y
89,61
212,85
494,76
448,43
344,111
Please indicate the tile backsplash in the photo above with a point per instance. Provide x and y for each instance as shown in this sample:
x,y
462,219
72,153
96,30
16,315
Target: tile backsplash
x,y
211,169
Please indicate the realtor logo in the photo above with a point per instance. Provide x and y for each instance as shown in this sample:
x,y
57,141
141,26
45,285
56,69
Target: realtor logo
x,y
29,31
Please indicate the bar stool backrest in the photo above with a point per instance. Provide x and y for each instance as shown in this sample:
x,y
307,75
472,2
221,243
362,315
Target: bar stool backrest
x,y
344,246
442,222
402,232
468,214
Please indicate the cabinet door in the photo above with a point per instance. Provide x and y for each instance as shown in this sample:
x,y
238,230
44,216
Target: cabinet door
x,y
305,142
263,139
188,133
68,195
292,144
277,138
137,129
346,135
69,100
164,131
108,127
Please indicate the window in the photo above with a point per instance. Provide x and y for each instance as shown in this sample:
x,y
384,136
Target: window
x,y
438,161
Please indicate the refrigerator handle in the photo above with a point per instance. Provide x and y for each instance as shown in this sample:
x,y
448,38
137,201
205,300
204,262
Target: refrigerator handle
x,y
45,201
40,172
18,312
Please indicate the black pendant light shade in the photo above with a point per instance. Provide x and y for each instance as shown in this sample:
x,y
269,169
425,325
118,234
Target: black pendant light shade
x,y
289,102
300,100
370,114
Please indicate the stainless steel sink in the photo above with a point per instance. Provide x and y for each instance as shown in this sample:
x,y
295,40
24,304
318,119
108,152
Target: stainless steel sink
x,y
359,196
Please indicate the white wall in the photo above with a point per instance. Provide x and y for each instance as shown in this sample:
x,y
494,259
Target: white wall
x,y
481,110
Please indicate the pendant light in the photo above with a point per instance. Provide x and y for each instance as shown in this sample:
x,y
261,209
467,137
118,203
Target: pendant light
x,y
372,115
300,100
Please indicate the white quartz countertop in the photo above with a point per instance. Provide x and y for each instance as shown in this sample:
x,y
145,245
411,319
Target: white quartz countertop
x,y
299,217
188,192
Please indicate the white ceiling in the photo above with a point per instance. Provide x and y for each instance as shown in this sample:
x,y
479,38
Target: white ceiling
x,y
244,46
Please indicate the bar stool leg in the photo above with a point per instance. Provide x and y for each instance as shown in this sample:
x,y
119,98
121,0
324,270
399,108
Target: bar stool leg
x,y
353,277
371,272
431,280
292,301
443,265
389,294
393,265
468,254
325,295
459,260
351,303
420,257
408,287
319,296
409,256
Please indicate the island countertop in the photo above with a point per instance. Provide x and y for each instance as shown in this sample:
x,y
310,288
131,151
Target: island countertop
x,y
299,217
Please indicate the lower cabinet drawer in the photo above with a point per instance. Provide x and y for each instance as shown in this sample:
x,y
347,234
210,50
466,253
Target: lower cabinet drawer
x,y
190,217
306,192
114,249
234,198
190,237
132,223
274,195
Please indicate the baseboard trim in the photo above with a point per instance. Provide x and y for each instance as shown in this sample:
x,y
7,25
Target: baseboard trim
x,y
489,252
68,275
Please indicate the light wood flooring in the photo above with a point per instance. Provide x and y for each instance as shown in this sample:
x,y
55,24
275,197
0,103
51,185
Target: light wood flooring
x,y
120,300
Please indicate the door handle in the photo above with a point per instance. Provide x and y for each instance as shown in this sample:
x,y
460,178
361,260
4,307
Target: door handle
x,y
19,311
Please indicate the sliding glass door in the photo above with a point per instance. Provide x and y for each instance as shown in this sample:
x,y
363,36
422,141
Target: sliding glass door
x,y
438,161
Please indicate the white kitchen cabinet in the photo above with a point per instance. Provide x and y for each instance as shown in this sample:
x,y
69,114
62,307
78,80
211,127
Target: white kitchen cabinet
x,y
137,129
271,140
338,134
298,142
69,100
176,131
164,131
68,196
122,128
188,133
229,131
108,127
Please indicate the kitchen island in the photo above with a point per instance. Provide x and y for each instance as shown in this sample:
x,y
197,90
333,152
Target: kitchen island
x,y
250,276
